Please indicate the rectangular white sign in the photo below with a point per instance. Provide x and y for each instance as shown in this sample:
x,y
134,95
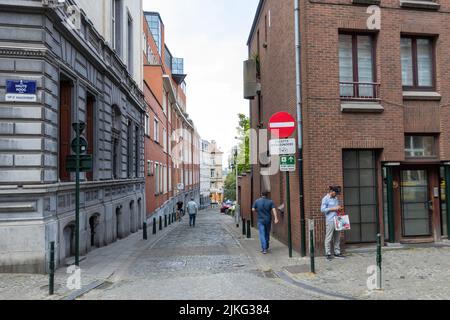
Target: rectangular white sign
x,y
283,147
11,97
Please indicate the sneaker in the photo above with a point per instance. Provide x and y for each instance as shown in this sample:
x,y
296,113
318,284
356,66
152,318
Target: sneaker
x,y
329,258
264,252
339,256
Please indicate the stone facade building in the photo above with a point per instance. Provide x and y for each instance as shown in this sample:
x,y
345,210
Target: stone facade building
x,y
205,174
83,57
217,179
374,109
172,144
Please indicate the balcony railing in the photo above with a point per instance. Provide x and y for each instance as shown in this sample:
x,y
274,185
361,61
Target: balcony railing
x,y
360,91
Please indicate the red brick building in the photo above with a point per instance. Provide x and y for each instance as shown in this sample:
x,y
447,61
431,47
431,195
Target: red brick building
x,y
172,144
374,109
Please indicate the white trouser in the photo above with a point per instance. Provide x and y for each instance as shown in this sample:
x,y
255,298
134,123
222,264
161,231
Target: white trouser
x,y
335,236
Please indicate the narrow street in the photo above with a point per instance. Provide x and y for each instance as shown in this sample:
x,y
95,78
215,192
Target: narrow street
x,y
202,263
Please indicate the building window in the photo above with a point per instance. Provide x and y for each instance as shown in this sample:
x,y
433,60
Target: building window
x,y
360,193
357,67
420,147
156,131
155,28
418,71
90,125
65,128
164,104
147,125
129,148
156,179
130,44
149,168
165,140
117,25
137,150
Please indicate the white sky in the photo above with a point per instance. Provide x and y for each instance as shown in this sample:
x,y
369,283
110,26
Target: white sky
x,y
211,36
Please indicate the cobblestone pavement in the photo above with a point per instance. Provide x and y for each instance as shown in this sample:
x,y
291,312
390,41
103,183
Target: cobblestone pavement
x,y
202,263
407,274
215,261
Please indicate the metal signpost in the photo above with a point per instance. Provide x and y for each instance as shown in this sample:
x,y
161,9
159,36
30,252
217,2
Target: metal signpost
x,y
78,163
283,125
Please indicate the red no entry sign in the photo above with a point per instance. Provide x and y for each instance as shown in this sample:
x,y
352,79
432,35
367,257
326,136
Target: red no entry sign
x,y
282,125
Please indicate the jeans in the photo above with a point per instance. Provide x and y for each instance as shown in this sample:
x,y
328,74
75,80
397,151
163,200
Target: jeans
x,y
192,218
264,234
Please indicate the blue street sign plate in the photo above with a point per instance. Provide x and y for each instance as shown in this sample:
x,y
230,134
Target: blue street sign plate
x,y
21,90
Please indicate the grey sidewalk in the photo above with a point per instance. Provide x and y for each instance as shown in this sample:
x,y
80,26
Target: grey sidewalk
x,y
421,272
100,266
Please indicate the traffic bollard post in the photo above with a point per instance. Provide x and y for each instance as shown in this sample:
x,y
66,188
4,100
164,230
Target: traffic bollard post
x,y
312,251
144,227
249,232
52,269
379,262
154,225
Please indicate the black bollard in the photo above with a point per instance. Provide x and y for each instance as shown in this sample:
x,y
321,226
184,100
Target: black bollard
x,y
144,228
165,221
244,232
154,225
52,269
160,223
312,253
249,232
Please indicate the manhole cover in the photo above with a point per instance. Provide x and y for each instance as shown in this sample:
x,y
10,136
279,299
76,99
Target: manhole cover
x,y
297,269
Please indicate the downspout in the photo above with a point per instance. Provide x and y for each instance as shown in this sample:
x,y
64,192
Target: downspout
x,y
300,128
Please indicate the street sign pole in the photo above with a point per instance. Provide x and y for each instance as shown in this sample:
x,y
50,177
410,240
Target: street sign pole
x,y
288,207
77,198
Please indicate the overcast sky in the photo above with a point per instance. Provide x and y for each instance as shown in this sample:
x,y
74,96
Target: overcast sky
x,y
211,36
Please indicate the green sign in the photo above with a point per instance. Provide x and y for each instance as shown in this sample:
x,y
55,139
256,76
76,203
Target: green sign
x,y
86,163
287,163
82,143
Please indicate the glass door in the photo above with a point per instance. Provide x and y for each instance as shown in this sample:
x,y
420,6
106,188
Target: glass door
x,y
416,204
360,195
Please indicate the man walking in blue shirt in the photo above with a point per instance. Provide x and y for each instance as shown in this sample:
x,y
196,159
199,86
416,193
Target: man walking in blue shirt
x,y
265,208
330,207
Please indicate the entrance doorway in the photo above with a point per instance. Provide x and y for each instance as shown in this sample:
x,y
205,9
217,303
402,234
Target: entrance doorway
x,y
417,203
360,192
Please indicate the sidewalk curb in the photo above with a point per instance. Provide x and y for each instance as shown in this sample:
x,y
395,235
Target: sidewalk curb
x,y
83,291
97,283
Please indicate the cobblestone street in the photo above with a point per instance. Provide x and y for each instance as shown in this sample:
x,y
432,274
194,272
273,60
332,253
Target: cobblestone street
x,y
202,263
215,261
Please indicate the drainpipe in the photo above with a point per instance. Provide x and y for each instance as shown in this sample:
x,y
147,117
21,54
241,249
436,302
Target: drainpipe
x,y
300,128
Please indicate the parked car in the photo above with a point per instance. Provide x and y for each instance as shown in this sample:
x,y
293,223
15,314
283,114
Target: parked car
x,y
225,207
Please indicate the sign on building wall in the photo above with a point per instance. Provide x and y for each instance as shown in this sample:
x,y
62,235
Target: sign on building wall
x,y
21,91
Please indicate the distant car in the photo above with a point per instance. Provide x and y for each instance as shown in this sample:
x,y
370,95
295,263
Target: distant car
x,y
225,208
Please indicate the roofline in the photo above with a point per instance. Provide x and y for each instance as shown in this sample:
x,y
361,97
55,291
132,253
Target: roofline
x,y
154,13
255,21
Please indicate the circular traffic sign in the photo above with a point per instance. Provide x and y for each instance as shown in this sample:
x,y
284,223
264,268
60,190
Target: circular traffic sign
x,y
282,125
82,143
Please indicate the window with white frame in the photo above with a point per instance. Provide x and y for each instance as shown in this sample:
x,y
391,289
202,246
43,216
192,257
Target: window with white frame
x,y
156,178
156,131
147,125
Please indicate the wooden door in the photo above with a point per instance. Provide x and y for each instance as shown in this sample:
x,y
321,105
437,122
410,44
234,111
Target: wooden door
x,y
90,132
65,128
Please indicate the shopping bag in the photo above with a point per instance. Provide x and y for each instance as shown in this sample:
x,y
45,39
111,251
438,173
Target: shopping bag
x,y
342,222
